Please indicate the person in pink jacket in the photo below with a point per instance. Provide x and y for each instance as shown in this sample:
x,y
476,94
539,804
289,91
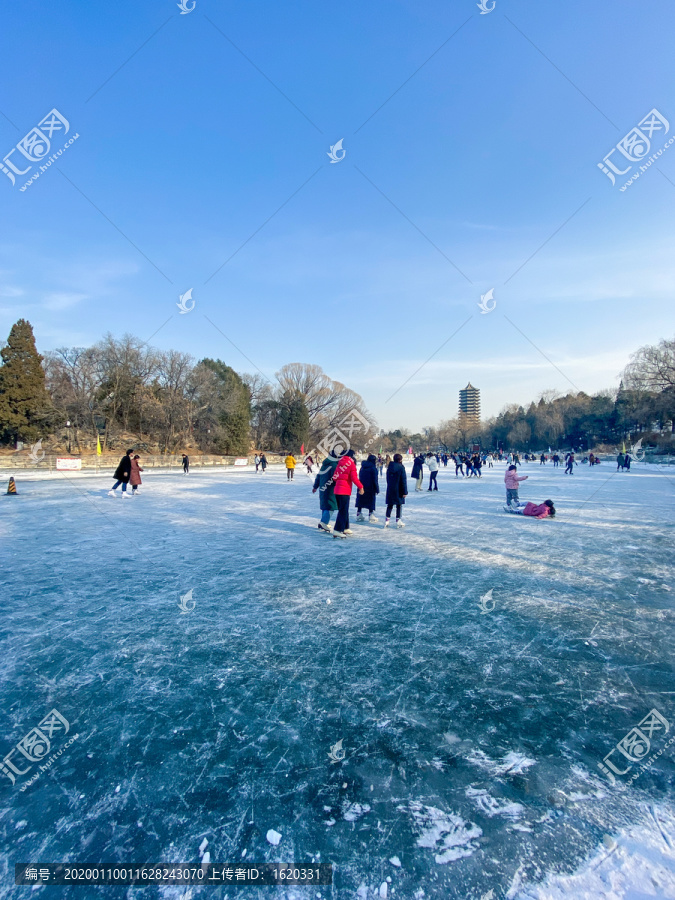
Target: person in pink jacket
x,y
511,480
345,476
536,510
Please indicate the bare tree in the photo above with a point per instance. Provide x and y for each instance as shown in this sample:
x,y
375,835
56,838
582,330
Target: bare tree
x,y
652,368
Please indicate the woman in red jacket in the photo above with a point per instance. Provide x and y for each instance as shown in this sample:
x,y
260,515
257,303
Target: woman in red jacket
x,y
345,476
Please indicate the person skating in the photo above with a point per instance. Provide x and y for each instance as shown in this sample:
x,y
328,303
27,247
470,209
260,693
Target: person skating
x,y
290,466
263,462
459,465
309,462
325,484
397,490
256,460
542,460
432,463
556,460
387,462
626,462
477,465
122,474
619,461
371,488
469,466
380,464
135,475
538,511
185,462
490,461
569,469
512,480
418,471
345,476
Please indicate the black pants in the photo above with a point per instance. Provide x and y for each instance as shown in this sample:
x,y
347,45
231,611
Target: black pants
x,y
186,468
432,479
289,474
458,469
390,506
342,521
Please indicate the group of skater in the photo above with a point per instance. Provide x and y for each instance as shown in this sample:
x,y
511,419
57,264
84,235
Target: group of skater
x,y
337,477
260,461
335,480
128,472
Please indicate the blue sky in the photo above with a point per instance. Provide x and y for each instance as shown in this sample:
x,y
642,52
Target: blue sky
x,y
472,143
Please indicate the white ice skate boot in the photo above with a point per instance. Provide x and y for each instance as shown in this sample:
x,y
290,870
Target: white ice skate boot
x,y
386,523
348,531
112,493
360,518
373,519
324,527
339,534
400,523
125,496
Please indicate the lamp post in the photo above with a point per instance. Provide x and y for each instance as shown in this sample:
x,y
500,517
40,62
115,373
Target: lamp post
x,y
68,427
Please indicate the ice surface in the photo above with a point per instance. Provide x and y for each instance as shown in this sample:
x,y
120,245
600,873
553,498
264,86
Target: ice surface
x,y
471,738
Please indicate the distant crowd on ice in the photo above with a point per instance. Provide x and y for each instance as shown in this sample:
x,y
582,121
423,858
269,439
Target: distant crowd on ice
x,y
337,476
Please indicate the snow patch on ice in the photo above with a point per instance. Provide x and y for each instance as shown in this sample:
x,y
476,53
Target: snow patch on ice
x,y
273,837
446,833
490,806
353,811
633,865
394,860
512,763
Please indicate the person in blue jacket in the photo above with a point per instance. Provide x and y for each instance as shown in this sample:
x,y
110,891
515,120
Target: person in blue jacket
x,y
325,484
371,488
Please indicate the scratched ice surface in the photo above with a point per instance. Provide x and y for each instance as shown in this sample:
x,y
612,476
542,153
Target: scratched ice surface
x,y
470,738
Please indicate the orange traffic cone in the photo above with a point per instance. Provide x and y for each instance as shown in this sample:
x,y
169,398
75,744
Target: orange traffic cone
x,y
11,487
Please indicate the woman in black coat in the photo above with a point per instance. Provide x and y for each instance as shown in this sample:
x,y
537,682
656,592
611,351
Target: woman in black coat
x,y
418,471
371,487
122,474
397,489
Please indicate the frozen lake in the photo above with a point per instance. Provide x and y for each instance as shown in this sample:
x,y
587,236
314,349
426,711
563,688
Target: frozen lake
x,y
471,738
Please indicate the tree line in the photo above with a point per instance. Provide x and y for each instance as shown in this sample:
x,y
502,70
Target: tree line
x,y
164,400
644,404
123,389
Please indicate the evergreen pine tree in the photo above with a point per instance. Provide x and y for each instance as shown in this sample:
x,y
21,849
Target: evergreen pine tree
x,y
294,422
233,411
24,401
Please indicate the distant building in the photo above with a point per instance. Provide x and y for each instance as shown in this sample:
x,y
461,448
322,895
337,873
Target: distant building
x,y
469,403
